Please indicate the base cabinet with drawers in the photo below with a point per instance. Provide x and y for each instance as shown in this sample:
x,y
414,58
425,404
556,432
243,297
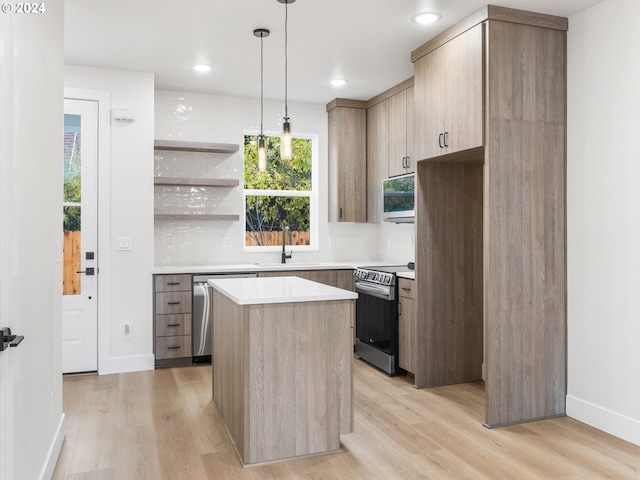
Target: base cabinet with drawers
x,y
173,298
406,325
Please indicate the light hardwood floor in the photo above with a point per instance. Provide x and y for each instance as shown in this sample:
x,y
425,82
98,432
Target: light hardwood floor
x,y
162,425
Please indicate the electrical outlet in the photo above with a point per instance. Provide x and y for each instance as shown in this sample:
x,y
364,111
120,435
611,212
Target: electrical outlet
x,y
225,242
170,241
332,241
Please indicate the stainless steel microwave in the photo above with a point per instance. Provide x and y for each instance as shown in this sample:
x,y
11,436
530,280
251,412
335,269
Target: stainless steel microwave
x,y
398,199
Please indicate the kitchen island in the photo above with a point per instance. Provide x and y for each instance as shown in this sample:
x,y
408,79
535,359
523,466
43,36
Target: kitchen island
x,y
282,365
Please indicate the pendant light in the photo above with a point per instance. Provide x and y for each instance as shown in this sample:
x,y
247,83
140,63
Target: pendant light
x,y
285,141
262,147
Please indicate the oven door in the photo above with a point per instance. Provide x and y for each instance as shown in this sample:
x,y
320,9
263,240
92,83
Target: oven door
x,y
377,326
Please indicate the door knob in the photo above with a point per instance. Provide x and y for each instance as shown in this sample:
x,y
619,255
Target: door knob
x,y
89,271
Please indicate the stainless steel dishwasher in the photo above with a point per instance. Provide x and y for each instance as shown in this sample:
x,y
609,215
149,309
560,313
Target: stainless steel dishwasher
x,y
203,313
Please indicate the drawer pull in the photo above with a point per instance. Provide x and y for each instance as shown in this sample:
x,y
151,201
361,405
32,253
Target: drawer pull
x,y
173,325
173,348
173,284
173,303
406,289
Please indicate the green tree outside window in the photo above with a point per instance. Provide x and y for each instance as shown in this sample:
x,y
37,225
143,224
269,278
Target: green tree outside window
x,y
279,197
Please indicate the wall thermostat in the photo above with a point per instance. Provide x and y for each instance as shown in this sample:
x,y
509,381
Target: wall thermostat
x,y
123,115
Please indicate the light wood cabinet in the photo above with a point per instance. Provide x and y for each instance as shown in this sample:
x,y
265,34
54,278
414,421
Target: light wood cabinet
x,y
406,325
400,123
449,94
347,121
389,141
491,260
173,297
377,157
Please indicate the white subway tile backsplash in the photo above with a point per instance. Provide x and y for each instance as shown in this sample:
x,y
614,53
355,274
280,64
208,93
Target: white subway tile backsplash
x,y
217,119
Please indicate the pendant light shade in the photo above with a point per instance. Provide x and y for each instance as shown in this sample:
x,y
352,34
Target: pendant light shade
x,y
262,147
285,142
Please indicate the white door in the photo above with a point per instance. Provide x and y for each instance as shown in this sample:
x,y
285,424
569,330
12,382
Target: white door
x,y
80,237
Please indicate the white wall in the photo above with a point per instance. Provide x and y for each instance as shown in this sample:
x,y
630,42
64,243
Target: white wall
x,y
213,118
126,210
31,84
604,218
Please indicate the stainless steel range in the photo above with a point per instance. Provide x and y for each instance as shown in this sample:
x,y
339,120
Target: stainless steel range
x,y
377,316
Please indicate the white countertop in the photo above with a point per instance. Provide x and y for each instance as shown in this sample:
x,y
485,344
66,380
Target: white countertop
x,y
256,291
254,267
409,275
263,267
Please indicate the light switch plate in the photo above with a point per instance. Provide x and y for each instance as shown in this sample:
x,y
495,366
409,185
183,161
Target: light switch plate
x,y
124,244
225,242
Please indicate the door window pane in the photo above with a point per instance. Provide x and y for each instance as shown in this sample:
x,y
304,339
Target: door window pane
x,y
71,201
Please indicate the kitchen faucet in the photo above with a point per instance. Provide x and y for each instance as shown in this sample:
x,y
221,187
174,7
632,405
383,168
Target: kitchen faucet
x,y
285,255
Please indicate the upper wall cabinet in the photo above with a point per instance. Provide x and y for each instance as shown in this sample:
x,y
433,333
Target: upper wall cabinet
x,y
377,157
389,142
347,160
449,96
401,159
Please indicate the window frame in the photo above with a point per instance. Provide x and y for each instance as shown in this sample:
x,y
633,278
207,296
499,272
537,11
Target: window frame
x,y
313,195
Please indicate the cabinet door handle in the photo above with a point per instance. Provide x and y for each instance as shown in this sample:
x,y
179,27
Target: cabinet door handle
x,y
173,325
440,140
404,162
399,308
446,139
408,165
173,348
173,303
340,215
173,284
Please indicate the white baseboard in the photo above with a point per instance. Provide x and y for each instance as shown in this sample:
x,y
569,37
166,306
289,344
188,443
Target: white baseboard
x,y
133,363
604,419
54,450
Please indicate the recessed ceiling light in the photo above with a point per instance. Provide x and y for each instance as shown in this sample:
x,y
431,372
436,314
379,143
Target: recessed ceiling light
x,y
338,82
201,67
426,18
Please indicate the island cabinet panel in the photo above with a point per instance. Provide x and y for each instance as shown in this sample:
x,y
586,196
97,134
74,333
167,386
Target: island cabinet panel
x,y
231,369
283,380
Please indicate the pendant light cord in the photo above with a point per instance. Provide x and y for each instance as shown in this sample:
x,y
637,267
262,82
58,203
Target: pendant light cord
x,y
286,60
261,80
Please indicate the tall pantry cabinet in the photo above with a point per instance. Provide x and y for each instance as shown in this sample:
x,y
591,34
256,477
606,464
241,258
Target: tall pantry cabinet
x,y
491,255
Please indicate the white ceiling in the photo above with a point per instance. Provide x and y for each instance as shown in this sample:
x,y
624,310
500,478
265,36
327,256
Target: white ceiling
x,y
368,42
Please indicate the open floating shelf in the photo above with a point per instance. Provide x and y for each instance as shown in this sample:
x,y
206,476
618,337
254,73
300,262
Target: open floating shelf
x,y
197,182
195,216
180,146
